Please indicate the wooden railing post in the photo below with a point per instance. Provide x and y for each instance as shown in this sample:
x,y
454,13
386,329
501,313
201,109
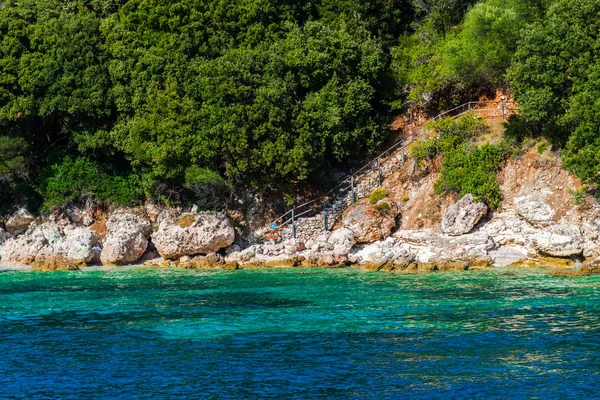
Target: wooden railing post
x,y
503,109
353,192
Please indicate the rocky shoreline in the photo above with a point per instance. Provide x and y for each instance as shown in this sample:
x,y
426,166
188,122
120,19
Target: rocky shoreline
x,y
410,228
468,238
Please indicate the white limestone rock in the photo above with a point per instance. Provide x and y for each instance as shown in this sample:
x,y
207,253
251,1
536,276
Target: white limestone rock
x,y
193,234
461,217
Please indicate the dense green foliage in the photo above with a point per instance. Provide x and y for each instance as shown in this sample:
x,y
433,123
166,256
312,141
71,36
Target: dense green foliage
x,y
556,77
83,179
466,168
261,92
444,62
190,100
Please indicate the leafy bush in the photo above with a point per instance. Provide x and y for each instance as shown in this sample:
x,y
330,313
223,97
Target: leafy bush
x,y
473,170
555,77
451,133
82,179
455,56
541,148
383,207
465,168
378,194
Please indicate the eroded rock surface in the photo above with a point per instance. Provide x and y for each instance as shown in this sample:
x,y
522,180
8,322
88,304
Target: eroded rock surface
x,y
18,223
192,234
563,240
534,209
48,241
384,255
126,240
461,217
368,223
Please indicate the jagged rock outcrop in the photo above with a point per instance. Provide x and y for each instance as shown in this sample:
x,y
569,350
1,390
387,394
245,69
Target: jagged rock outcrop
x,y
18,223
127,239
563,240
49,243
38,243
192,234
384,255
369,223
461,217
432,246
534,209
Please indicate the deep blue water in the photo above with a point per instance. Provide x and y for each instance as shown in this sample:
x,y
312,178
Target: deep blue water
x,y
298,333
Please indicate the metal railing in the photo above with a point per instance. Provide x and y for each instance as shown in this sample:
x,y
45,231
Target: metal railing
x,y
329,204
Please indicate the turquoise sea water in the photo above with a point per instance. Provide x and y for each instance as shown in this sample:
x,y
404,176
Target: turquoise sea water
x,y
298,333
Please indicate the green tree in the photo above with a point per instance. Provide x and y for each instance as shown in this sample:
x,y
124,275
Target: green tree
x,y
555,81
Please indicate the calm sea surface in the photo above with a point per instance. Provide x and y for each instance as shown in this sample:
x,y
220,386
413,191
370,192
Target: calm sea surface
x,y
299,333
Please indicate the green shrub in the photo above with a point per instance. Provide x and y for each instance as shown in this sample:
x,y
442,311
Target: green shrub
x,y
451,133
578,195
541,148
82,179
473,170
465,168
378,194
383,207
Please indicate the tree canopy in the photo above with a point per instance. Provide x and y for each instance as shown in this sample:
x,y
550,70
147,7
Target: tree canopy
x,y
151,94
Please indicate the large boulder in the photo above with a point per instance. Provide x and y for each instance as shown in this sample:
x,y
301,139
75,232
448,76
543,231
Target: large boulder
x,y
342,240
19,222
48,241
368,222
38,243
80,245
127,239
563,240
534,209
192,234
461,217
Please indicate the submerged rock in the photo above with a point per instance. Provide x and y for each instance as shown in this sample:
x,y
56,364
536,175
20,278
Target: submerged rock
x,y
192,234
57,263
127,239
461,217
